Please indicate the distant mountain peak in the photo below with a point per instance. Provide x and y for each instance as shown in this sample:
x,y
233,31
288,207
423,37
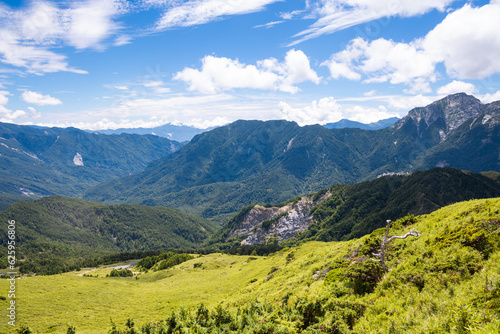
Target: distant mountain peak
x,y
346,123
446,114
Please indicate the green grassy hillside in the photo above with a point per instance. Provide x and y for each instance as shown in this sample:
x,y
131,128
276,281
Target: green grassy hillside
x,y
57,233
447,280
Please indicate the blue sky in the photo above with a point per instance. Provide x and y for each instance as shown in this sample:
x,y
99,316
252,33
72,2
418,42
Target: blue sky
x,y
106,64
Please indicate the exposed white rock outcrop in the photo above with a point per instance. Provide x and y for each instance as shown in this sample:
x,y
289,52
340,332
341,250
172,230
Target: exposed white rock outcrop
x,y
77,159
262,223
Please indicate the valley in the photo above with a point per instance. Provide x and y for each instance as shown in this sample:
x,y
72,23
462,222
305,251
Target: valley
x,y
249,167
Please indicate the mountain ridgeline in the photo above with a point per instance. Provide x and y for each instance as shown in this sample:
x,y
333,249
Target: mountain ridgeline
x,y
345,123
178,133
37,162
223,170
347,211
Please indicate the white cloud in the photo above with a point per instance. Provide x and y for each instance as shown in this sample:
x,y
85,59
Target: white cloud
x,y
28,34
382,60
467,42
420,85
341,70
107,124
200,111
328,110
292,14
36,60
121,87
269,24
335,15
319,112
457,87
123,40
3,97
88,23
407,103
39,99
34,113
219,74
197,12
7,115
488,98
162,90
153,83
464,52
156,86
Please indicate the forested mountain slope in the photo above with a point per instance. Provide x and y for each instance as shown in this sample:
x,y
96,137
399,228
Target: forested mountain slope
x,y
56,233
38,162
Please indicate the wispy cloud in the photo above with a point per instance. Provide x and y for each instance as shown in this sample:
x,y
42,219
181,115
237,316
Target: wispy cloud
x,y
335,15
29,35
269,25
197,12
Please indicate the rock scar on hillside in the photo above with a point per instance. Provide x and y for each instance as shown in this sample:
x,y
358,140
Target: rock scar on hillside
x,y
282,222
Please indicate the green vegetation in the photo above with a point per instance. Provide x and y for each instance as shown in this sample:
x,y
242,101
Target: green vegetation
x,y
163,261
266,224
354,210
58,234
121,273
445,281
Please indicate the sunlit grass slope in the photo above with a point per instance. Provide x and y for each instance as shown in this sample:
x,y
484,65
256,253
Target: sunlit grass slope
x,y
445,281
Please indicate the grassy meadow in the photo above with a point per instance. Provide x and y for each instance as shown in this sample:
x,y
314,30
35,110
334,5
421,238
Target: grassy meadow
x,y
445,281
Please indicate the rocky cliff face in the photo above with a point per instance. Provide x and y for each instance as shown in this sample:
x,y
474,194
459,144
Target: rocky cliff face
x,y
444,115
492,114
262,223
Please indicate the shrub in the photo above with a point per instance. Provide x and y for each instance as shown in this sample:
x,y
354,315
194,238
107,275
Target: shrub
x,y
202,316
71,330
121,273
476,235
372,243
364,276
221,316
309,311
23,329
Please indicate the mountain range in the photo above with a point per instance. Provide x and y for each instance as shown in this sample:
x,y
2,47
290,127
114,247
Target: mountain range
x,y
184,133
220,171
37,162
180,133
